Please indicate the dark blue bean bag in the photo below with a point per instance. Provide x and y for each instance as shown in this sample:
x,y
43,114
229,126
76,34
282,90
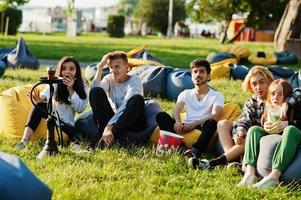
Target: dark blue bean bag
x,y
91,135
21,57
177,81
264,163
153,79
18,182
146,55
2,68
286,57
238,72
281,72
217,57
91,69
4,52
295,80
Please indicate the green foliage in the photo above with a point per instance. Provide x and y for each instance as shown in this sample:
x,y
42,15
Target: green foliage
x,y
155,13
260,12
126,7
116,25
15,20
215,10
263,13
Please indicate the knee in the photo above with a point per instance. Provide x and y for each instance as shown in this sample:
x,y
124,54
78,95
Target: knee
x,y
137,100
161,116
222,124
254,130
291,132
96,91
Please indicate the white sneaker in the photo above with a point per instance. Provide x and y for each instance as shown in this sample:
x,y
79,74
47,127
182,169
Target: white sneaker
x,y
266,182
248,179
21,144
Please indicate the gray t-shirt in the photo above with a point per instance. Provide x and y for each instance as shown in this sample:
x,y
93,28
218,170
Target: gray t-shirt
x,y
119,93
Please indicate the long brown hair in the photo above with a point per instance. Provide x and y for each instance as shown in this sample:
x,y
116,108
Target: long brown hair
x,y
287,90
62,93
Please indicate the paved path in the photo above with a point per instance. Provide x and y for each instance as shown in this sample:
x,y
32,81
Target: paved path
x,y
47,62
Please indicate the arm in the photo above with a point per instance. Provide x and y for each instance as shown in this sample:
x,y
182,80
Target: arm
x,y
78,104
96,82
178,126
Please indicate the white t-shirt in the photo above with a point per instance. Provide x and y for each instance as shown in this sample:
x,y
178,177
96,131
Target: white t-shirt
x,y
198,110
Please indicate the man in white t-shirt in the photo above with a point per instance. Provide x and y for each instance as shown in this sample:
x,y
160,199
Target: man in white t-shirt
x,y
203,107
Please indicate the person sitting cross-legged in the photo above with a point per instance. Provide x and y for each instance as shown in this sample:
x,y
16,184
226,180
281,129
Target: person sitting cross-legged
x,y
203,107
117,102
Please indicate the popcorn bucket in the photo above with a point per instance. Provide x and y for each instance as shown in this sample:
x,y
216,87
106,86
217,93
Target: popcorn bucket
x,y
168,142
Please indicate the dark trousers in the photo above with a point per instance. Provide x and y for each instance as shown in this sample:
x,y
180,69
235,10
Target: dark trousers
x,y
132,119
166,122
35,116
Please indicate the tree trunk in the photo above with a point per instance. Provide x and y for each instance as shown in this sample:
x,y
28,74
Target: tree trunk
x,y
224,32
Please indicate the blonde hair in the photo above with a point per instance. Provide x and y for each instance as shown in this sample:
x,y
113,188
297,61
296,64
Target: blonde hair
x,y
268,76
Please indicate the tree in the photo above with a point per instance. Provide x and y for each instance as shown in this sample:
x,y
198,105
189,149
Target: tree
x,y
155,13
260,12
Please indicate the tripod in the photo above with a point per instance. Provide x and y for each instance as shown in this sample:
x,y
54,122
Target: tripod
x,y
50,147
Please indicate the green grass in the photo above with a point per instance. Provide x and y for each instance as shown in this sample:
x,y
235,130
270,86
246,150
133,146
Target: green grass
x,y
135,173
177,52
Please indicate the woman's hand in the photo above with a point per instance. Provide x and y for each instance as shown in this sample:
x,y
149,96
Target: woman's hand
x,y
36,96
276,127
284,108
69,82
239,138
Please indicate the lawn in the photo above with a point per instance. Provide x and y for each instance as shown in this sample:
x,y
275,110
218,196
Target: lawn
x,y
136,173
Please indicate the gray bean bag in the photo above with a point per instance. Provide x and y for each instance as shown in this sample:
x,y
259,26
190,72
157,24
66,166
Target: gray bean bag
x,y
21,57
153,79
90,133
264,163
18,182
177,81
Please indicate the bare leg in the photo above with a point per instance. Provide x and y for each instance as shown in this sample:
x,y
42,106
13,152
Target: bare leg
x,y
224,129
27,133
235,152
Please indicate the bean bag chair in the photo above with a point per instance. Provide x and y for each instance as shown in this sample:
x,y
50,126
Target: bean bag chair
x,y
135,62
177,81
262,58
15,106
146,55
91,69
295,80
264,163
153,79
281,72
286,57
22,57
222,69
239,51
91,135
218,57
134,51
17,182
238,72
2,68
231,112
4,52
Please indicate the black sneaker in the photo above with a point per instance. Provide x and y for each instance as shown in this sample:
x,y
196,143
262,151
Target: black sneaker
x,y
198,164
192,153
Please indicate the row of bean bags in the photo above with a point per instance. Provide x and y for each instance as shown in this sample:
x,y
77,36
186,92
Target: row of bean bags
x,y
262,58
17,182
15,106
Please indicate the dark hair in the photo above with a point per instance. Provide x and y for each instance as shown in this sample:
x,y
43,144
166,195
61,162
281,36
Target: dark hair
x,y
201,63
62,93
118,55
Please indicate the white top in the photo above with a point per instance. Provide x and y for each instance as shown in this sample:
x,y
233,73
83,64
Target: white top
x,y
67,112
198,110
119,93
